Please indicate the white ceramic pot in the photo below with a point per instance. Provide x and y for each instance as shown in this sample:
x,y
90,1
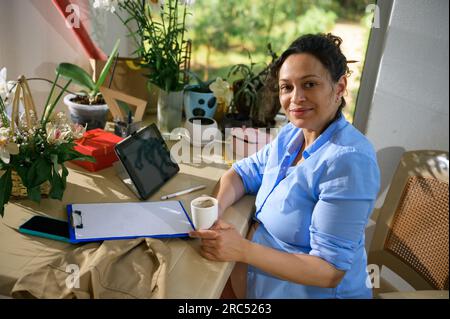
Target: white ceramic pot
x,y
197,103
92,115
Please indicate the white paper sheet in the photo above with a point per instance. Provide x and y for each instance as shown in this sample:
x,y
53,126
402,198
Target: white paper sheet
x,y
136,219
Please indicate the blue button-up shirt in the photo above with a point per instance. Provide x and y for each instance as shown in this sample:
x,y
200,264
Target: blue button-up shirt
x,y
320,207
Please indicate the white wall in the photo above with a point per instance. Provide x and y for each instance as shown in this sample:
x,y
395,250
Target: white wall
x,y
410,105
34,40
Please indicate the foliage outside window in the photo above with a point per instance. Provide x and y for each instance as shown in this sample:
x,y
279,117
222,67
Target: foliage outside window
x,y
223,32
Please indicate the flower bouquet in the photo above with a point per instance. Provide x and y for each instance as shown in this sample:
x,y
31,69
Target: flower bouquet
x,y
33,151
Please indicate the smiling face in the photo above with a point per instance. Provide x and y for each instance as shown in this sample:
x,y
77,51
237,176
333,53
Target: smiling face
x,y
307,93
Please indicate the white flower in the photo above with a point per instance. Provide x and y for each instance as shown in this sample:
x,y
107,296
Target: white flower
x,y
61,119
78,131
222,91
5,86
108,5
187,2
56,135
156,5
23,118
7,148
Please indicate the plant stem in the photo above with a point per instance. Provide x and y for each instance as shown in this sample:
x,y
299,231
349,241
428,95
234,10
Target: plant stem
x,y
49,97
54,104
51,82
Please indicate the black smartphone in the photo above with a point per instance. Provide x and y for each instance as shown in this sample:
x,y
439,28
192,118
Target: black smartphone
x,y
47,227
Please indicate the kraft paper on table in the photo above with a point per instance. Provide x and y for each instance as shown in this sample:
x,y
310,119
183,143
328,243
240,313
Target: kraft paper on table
x,y
122,269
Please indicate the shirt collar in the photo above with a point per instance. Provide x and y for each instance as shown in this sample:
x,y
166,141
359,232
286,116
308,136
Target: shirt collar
x,y
336,125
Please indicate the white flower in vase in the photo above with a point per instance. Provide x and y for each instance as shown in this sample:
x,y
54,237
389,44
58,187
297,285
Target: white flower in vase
x,y
108,5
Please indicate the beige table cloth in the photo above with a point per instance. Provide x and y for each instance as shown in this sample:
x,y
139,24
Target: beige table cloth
x,y
188,274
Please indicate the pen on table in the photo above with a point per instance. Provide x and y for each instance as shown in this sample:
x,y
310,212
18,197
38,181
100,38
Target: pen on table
x,y
189,190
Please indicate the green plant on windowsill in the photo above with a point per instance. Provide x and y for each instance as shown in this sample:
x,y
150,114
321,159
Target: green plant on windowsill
x,y
247,86
201,86
90,93
157,29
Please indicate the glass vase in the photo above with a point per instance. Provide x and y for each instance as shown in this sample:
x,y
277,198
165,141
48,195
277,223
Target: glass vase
x,y
170,106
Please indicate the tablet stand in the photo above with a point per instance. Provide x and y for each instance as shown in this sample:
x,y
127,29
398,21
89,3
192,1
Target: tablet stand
x,y
122,173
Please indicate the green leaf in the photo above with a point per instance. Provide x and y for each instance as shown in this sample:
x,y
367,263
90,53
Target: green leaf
x,y
106,68
76,74
39,172
5,189
57,190
54,159
65,172
34,193
66,153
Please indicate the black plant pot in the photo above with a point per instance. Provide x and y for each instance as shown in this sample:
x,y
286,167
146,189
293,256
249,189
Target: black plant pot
x,y
236,120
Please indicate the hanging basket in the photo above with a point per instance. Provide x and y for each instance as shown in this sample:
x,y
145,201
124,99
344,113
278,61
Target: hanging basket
x,y
19,191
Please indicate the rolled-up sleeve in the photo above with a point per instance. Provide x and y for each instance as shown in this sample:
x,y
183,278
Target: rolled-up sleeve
x,y
347,193
251,169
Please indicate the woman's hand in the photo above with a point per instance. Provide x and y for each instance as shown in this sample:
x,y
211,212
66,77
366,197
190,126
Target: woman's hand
x,y
221,242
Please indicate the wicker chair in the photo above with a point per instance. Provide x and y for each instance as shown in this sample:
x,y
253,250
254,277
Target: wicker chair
x,y
411,233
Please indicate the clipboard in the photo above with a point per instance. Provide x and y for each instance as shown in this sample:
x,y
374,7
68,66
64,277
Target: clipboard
x,y
108,221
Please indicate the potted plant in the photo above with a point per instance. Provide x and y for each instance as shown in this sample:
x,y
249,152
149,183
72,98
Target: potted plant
x,y
199,100
253,102
87,108
33,151
157,28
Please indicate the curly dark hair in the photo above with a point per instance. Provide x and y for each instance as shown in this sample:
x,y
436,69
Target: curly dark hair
x,y
325,47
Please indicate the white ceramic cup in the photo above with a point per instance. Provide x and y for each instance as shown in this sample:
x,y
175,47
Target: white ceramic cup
x,y
204,217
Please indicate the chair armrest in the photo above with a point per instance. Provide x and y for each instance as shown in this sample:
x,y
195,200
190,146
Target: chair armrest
x,y
370,230
419,294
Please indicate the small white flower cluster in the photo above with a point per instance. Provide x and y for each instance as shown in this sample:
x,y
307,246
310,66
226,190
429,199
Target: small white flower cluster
x,y
7,147
155,5
59,130
108,5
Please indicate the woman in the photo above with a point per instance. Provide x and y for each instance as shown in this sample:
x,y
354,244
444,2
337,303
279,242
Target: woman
x,y
316,185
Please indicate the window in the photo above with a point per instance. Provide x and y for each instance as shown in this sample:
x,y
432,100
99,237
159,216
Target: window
x,y
228,32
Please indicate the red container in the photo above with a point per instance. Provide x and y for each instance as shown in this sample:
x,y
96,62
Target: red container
x,y
99,144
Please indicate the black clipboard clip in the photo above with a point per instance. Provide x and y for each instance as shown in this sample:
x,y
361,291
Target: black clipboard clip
x,y
80,224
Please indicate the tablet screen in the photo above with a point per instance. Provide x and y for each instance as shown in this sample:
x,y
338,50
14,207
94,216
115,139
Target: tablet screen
x,y
147,160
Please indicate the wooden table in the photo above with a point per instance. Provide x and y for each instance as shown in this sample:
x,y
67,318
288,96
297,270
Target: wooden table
x,y
189,276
